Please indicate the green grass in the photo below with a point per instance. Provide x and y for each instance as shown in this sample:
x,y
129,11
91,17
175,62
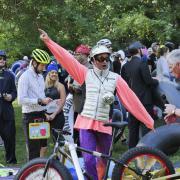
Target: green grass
x,y
21,154
21,147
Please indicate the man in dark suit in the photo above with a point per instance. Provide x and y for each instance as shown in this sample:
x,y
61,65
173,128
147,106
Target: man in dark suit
x,y
136,73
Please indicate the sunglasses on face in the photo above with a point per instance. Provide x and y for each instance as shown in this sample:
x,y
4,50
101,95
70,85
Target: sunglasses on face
x,y
102,58
2,58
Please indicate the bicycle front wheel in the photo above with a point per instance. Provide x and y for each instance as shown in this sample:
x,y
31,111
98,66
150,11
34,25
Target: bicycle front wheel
x,y
142,163
34,170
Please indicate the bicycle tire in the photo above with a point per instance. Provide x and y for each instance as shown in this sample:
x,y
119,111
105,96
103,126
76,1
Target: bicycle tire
x,y
131,158
35,168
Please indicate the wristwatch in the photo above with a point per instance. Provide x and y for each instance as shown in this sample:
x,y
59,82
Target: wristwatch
x,y
173,111
40,101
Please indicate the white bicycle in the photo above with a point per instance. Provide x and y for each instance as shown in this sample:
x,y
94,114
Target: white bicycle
x,y
141,163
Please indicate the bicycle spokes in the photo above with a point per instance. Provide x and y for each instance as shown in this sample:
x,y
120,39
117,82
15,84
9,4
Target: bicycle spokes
x,y
145,166
38,175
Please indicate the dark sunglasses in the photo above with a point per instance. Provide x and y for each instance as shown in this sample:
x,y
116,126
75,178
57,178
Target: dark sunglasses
x,y
102,58
2,57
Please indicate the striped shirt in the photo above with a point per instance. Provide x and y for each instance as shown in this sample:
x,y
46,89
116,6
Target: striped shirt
x,y
31,87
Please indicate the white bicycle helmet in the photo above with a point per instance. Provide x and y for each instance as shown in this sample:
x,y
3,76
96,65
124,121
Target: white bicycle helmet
x,y
98,49
121,54
104,42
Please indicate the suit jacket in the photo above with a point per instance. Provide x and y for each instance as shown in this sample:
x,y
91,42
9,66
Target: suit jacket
x,y
136,73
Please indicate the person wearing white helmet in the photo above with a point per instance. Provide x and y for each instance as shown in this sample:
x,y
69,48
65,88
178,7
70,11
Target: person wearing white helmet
x,y
108,44
101,85
105,42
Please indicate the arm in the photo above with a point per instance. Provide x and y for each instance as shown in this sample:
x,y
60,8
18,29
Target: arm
x,y
22,92
69,63
11,93
177,112
145,73
13,88
61,102
132,103
124,74
62,96
165,68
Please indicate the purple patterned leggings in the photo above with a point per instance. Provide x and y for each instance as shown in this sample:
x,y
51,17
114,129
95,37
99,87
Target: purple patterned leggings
x,y
95,141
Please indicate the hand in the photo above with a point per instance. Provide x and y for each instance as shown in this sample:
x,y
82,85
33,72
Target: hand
x,y
51,117
7,97
46,101
77,91
170,119
43,35
71,88
166,117
59,101
47,117
169,109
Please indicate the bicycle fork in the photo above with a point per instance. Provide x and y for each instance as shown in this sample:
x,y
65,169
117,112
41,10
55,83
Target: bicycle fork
x,y
47,164
75,160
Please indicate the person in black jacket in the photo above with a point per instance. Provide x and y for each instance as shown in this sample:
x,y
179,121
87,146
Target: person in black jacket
x,y
136,73
8,94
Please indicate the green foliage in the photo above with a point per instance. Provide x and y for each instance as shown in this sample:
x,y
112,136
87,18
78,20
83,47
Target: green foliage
x,y
71,22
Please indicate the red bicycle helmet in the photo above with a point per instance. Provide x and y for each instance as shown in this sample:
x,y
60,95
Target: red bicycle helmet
x,y
83,49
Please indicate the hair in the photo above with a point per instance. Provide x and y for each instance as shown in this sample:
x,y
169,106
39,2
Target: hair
x,y
154,46
162,50
133,51
174,56
50,83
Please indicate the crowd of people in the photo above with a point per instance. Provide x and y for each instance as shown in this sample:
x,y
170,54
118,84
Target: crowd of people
x,y
97,77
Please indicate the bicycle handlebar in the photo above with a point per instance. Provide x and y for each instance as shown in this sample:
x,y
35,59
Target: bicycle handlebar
x,y
60,131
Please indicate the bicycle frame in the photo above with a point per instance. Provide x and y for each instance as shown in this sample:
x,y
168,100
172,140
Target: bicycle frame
x,y
75,161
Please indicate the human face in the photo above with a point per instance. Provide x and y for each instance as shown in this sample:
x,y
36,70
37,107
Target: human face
x,y
175,69
41,68
53,75
101,61
2,62
80,57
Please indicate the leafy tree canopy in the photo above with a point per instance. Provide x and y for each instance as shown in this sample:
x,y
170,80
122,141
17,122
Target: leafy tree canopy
x,y
71,22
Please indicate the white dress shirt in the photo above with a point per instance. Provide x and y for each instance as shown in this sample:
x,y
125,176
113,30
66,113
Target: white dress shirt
x,y
31,87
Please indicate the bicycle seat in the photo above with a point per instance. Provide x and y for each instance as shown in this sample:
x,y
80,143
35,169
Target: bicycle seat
x,y
117,125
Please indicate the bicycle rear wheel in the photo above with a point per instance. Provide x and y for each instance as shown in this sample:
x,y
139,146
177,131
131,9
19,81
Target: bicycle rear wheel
x,y
34,170
147,161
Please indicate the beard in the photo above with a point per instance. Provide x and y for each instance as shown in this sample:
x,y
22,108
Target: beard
x,y
81,59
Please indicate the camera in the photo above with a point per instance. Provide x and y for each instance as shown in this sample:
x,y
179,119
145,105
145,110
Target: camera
x,y
108,98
